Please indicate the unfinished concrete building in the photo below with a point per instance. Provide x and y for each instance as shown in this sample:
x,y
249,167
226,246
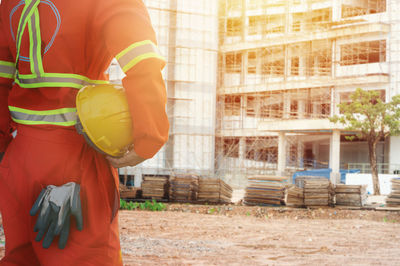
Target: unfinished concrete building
x,y
187,35
284,65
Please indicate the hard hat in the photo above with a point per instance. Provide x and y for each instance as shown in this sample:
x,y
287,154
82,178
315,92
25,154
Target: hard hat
x,y
104,118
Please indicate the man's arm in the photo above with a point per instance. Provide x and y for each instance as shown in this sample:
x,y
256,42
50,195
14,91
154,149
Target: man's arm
x,y
7,72
129,36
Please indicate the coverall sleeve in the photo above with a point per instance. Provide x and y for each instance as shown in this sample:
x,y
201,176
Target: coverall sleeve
x,y
7,71
129,37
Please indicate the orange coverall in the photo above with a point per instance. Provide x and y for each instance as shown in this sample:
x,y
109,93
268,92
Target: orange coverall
x,y
48,50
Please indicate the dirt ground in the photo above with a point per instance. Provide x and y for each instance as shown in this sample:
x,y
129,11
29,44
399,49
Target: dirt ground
x,y
236,235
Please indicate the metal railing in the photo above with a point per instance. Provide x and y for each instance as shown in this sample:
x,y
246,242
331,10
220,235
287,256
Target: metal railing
x,y
383,168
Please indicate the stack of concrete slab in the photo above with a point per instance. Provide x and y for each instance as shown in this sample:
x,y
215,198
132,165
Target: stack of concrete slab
x,y
294,196
214,191
393,199
351,195
265,190
318,192
155,187
183,188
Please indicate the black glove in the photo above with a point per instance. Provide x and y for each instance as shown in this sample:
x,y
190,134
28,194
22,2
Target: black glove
x,y
56,205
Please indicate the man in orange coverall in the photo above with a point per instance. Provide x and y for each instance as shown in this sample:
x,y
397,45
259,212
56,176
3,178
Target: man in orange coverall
x,y
48,50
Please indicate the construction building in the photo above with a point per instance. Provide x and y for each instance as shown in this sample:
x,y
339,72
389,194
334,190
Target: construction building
x,y
251,84
284,67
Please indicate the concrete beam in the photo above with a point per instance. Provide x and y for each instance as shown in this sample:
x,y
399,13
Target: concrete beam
x,y
300,125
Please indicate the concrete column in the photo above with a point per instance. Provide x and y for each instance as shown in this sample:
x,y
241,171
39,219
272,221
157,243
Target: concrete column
x,y
301,108
245,63
245,20
259,66
300,153
336,10
302,65
138,177
335,59
243,107
281,153
287,62
242,148
289,17
394,158
334,158
335,100
286,105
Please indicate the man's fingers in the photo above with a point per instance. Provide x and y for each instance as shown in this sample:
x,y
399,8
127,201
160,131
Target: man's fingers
x,y
62,216
43,219
62,242
36,206
77,213
48,239
129,159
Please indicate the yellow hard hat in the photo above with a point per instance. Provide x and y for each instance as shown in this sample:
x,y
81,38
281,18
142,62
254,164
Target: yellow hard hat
x,y
104,118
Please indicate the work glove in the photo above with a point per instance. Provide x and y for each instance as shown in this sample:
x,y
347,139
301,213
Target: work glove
x,y
55,206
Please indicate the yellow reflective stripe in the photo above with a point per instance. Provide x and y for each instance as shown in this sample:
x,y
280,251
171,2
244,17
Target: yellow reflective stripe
x,y
7,69
6,63
38,42
140,58
132,46
27,122
26,14
137,52
55,80
61,117
45,112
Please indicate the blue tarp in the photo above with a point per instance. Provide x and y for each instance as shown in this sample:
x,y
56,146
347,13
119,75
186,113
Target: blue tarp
x,y
325,173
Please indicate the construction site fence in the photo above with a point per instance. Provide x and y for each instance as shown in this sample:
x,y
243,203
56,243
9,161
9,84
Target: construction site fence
x,y
383,168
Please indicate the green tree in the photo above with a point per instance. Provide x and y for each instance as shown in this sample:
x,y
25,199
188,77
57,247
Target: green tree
x,y
374,119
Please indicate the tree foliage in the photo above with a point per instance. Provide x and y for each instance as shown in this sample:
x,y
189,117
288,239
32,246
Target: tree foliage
x,y
369,115
373,119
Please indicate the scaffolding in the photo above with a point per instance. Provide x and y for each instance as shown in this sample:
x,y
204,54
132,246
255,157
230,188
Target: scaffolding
x,y
286,61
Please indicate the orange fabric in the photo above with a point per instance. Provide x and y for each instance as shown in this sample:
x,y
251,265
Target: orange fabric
x,y
40,157
88,35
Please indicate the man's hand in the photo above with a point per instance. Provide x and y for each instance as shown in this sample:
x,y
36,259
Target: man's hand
x,y
55,206
128,159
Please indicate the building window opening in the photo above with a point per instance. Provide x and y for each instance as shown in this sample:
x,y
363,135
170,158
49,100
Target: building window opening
x,y
363,53
233,63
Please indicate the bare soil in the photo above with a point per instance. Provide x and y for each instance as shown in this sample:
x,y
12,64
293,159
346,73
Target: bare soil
x,y
237,235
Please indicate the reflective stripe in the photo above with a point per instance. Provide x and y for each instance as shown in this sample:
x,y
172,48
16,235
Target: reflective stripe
x,y
60,117
35,44
55,80
7,69
27,12
137,52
